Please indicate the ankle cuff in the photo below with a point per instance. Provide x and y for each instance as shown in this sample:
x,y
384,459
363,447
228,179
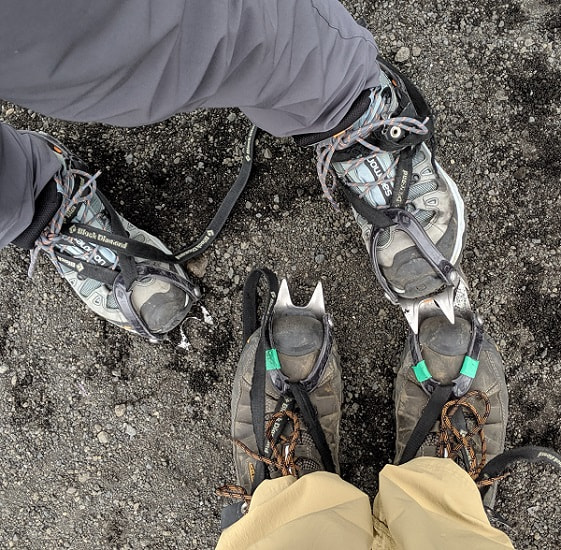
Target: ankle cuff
x,y
357,109
46,206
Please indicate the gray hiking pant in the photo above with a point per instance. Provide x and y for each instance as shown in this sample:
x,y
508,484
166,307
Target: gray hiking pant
x,y
292,66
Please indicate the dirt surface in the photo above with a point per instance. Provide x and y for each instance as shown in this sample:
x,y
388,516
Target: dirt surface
x,y
110,442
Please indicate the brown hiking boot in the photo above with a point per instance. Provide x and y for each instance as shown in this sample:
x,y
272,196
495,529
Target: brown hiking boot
x,y
286,399
451,397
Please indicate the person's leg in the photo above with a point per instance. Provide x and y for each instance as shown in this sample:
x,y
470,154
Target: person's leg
x,y
451,409
432,503
56,209
425,504
294,66
26,165
319,510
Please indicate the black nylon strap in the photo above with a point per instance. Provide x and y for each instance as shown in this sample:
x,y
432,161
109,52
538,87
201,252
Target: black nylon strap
x,y
309,414
102,274
285,403
431,413
118,241
127,263
257,402
376,217
250,297
217,223
257,392
531,453
402,179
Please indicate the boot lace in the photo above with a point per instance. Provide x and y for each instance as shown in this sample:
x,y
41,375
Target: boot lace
x,y
283,455
374,114
452,440
51,236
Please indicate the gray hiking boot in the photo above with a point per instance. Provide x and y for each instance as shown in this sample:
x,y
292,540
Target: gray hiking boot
x,y
122,273
291,394
409,210
451,398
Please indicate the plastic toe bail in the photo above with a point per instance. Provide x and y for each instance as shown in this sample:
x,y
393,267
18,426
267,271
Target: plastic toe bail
x,y
123,296
281,382
462,383
405,221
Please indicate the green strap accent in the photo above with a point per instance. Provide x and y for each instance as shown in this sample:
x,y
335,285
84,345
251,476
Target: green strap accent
x,y
469,367
272,360
421,371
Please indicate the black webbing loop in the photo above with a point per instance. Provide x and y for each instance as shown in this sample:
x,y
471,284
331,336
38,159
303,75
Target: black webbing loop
x,y
431,413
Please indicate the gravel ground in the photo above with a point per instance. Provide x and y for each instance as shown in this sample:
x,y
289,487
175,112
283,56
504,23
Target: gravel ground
x,y
111,442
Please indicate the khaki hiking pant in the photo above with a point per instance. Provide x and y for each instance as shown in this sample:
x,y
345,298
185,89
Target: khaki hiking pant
x,y
428,503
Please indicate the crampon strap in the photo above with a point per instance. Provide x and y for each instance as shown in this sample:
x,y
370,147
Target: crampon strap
x,y
406,222
431,413
497,466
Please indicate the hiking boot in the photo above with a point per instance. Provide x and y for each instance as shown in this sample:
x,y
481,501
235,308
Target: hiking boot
x,y
103,256
409,210
450,396
286,398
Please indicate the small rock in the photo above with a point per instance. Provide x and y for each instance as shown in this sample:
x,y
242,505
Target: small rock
x,y
4,369
198,266
416,51
129,430
103,437
501,95
402,54
120,410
